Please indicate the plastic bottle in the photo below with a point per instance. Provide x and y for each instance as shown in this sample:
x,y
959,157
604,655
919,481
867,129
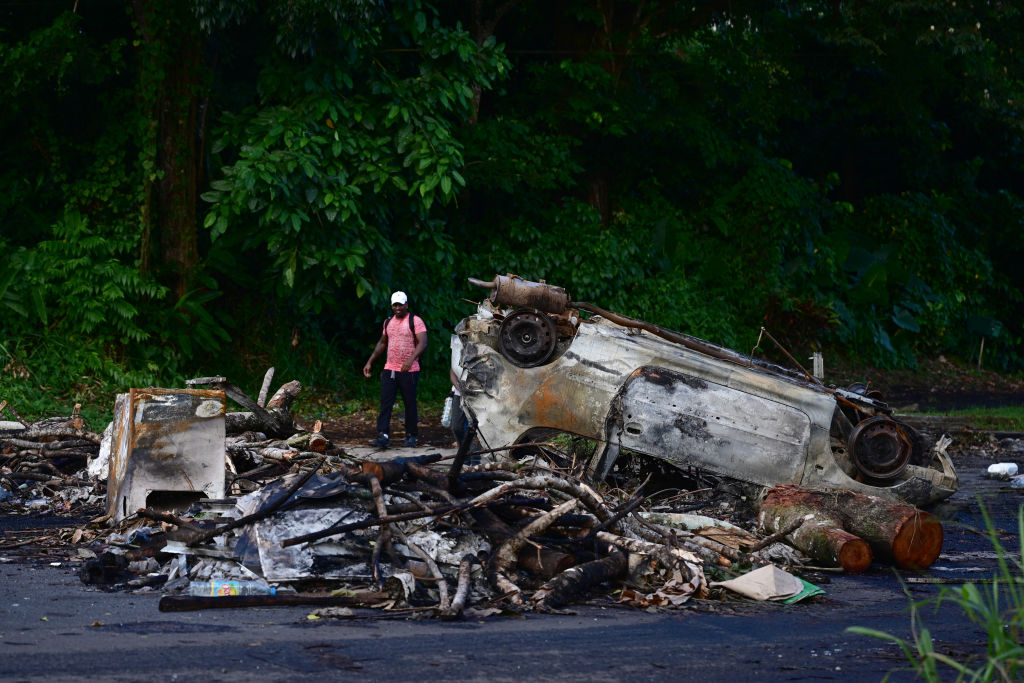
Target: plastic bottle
x,y
217,588
446,414
1002,470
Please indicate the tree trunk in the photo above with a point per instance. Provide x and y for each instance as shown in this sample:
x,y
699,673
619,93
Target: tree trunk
x,y
897,533
172,72
821,536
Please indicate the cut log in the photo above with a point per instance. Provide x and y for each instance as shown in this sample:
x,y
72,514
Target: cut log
x,y
901,534
285,396
896,533
275,419
314,441
821,535
274,422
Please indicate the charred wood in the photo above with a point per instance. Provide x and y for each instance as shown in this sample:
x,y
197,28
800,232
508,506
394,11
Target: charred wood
x,y
185,603
574,583
461,589
506,557
258,515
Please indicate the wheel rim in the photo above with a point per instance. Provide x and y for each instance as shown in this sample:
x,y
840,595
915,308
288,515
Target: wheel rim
x,y
527,338
879,448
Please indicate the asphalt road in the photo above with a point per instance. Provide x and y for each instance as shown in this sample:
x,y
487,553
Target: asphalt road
x,y
51,628
54,628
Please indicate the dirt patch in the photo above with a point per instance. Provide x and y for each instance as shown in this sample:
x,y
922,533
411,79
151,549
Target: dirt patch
x,y
361,428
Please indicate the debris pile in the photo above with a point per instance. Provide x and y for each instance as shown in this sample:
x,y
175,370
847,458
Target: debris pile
x,y
42,464
303,522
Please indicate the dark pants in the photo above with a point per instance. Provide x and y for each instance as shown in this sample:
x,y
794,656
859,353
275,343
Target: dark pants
x,y
459,422
460,426
392,382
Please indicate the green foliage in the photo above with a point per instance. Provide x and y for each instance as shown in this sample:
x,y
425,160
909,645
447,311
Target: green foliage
x,y
81,301
997,606
18,293
336,173
910,282
43,374
85,269
846,175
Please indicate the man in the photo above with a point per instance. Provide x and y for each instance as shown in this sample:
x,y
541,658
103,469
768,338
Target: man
x,y
405,338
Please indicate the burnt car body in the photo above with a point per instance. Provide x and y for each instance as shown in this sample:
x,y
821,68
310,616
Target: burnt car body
x,y
527,365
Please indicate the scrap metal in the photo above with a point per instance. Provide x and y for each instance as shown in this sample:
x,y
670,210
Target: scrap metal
x,y
528,365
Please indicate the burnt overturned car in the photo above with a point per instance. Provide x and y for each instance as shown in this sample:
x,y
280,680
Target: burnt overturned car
x,y
528,365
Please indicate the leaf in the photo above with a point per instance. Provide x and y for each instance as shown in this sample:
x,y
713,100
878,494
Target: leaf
x,y
15,306
905,319
7,279
39,303
289,269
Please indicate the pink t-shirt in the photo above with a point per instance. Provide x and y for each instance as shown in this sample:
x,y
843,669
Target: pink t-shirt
x,y
401,342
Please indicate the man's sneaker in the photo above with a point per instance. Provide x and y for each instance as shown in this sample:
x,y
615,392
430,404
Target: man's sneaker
x,y
381,441
410,441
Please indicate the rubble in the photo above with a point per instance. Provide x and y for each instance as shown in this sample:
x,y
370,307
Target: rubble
x,y
520,534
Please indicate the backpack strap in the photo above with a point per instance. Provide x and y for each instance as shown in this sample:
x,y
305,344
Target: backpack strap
x,y
412,327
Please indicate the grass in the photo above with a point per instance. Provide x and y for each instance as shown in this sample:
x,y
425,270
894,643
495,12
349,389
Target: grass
x,y
997,606
1003,418
1006,418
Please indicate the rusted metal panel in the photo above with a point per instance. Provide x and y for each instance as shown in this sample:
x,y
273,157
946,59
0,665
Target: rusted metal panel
x,y
167,449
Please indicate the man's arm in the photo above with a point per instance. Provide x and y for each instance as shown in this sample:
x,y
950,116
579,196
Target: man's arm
x,y
382,344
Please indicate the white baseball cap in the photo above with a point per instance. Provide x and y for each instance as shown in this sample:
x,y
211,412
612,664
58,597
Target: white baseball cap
x,y
399,298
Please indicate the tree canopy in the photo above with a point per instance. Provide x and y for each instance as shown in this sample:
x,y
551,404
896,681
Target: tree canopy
x,y
191,182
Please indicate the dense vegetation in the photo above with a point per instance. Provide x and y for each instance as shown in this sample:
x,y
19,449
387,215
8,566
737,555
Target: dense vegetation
x,y
216,186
